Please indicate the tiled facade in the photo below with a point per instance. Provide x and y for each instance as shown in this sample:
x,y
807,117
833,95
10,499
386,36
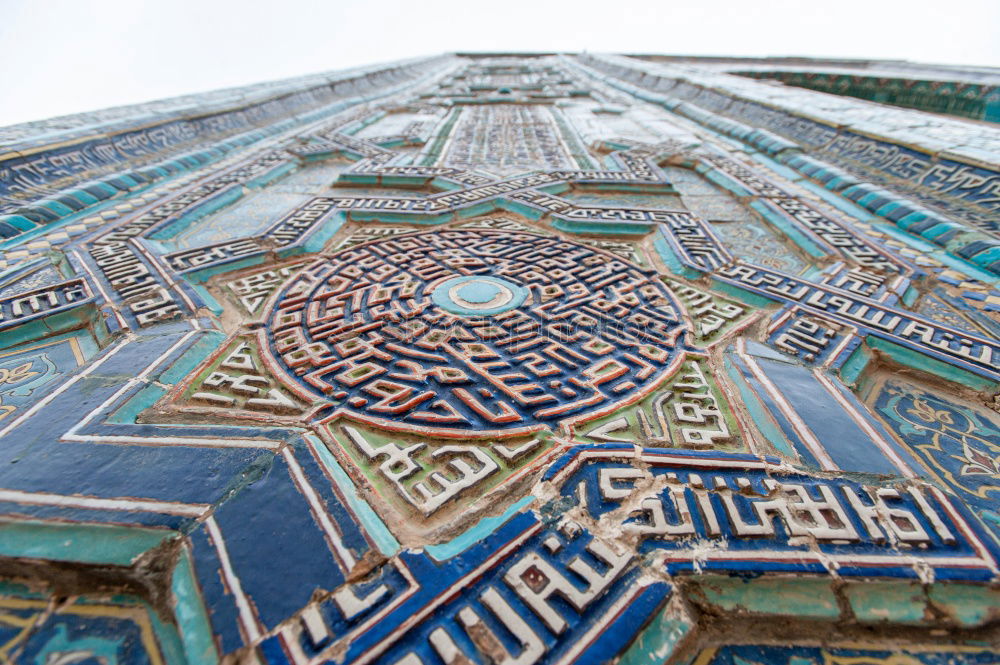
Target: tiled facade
x,y
505,359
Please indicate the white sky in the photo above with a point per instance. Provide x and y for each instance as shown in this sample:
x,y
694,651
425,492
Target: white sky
x,y
66,56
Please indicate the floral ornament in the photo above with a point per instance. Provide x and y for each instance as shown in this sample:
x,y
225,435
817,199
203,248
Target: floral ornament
x,y
977,462
17,375
958,444
927,413
20,376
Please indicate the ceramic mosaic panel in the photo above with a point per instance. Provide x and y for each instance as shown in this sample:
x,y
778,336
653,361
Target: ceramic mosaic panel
x,y
770,655
949,97
491,359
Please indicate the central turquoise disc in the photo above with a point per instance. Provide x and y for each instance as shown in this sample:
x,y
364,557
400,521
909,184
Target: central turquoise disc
x,y
478,295
478,292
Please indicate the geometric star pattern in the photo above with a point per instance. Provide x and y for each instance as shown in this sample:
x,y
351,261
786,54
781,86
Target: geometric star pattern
x,y
502,359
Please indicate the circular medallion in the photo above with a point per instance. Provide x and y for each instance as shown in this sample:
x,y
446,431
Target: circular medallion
x,y
474,331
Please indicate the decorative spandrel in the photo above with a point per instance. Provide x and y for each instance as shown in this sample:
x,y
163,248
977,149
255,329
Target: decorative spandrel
x,y
470,359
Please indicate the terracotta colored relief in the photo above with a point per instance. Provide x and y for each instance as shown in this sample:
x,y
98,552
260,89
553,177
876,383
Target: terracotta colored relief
x,y
427,483
237,380
494,359
507,331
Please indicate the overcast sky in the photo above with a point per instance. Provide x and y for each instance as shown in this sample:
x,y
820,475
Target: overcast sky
x,y
66,56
